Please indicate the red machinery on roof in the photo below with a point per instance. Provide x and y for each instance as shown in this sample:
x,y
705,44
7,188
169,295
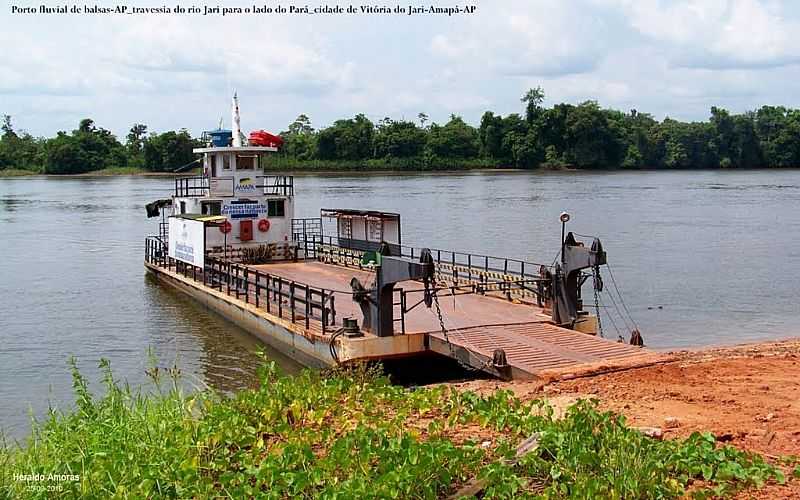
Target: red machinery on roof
x,y
264,138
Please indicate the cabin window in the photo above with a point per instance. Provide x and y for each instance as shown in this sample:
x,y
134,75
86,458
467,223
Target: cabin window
x,y
346,228
211,207
375,230
226,162
212,164
275,208
245,163
183,207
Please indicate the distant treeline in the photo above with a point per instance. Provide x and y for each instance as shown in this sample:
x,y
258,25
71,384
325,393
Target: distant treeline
x,y
90,148
566,135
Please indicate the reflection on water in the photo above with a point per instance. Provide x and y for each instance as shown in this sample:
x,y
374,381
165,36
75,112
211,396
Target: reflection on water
x,y
230,354
73,283
702,258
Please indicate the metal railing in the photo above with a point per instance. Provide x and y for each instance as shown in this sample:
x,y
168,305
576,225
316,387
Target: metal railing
x,y
191,187
288,299
473,273
308,234
199,186
276,185
467,262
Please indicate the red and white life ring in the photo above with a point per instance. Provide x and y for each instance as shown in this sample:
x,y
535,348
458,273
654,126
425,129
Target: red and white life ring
x,y
226,227
263,225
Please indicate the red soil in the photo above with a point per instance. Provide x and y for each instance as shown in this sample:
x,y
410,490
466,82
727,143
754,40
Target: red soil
x,y
747,396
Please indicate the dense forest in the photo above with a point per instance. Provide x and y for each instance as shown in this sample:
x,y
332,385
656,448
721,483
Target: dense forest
x,y
565,135
90,148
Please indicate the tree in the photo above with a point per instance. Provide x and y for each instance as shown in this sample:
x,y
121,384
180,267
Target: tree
x,y
8,129
134,144
301,125
490,134
19,149
7,149
745,141
590,139
65,155
135,138
553,126
86,126
633,157
785,145
770,121
636,130
552,159
399,139
504,139
347,140
533,100
676,155
723,140
88,148
300,140
168,151
583,135
523,148
456,139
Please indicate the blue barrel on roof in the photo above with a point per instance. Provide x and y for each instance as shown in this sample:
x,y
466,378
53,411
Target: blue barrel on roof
x,y
220,138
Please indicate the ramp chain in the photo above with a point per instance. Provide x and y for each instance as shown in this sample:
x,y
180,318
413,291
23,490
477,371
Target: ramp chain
x,y
464,365
597,285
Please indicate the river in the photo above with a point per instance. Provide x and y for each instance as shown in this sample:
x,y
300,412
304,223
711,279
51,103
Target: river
x,y
707,257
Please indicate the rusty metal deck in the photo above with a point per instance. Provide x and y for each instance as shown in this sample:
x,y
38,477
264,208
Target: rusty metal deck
x,y
537,349
463,311
477,325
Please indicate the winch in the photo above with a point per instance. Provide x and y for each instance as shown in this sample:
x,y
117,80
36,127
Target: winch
x,y
377,303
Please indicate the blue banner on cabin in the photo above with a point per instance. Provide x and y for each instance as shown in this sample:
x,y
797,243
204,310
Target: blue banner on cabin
x,y
244,209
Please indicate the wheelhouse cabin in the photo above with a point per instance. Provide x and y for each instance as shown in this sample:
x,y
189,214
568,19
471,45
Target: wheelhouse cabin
x,y
257,208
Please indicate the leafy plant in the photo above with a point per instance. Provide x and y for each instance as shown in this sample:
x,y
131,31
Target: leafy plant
x,y
349,433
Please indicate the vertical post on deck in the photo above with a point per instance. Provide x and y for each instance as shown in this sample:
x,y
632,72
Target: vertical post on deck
x,y
280,301
291,300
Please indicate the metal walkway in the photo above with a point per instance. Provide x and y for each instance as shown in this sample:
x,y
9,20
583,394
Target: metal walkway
x,y
538,349
478,325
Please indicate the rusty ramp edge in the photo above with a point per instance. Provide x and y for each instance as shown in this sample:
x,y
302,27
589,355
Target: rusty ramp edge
x,y
547,351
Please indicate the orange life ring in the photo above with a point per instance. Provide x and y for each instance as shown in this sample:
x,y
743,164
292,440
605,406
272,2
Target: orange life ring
x,y
226,227
263,225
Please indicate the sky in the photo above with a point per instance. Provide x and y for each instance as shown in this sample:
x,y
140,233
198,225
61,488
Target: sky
x,y
169,71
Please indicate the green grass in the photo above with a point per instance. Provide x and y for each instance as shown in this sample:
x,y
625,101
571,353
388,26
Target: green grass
x,y
118,171
140,171
17,172
111,171
414,164
351,434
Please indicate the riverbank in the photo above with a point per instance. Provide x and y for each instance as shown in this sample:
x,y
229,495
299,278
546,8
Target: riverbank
x,y
17,172
746,396
106,172
350,433
378,168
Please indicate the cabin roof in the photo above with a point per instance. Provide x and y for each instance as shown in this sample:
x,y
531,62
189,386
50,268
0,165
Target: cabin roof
x,y
242,149
349,212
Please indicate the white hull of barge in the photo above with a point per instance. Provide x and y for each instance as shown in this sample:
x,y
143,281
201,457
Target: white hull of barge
x,y
288,338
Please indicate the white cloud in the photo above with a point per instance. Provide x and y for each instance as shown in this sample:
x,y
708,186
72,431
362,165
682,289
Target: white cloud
x,y
674,58
122,53
719,33
540,37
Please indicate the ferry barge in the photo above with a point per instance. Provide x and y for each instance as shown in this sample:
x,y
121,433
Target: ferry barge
x,y
344,287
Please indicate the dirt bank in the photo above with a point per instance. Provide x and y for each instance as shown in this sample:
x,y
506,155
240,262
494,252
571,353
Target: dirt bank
x,y
748,396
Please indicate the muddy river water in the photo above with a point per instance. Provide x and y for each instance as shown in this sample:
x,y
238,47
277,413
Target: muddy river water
x,y
701,258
